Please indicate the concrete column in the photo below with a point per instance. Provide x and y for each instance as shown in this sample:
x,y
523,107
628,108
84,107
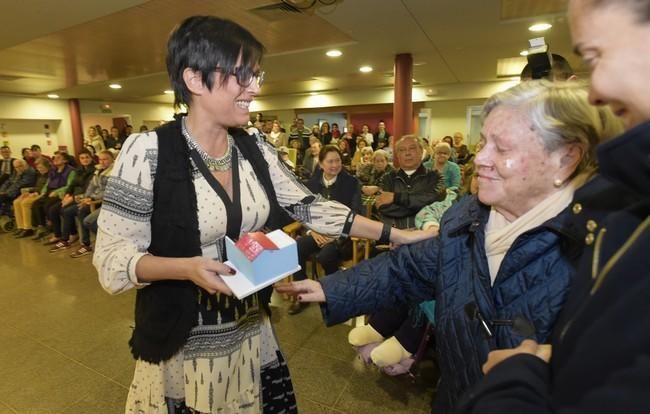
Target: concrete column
x,y
403,106
75,124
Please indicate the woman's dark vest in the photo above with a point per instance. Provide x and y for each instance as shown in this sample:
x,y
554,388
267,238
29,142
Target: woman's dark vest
x,y
166,311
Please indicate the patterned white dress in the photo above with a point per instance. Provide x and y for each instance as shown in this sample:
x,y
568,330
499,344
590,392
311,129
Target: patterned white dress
x,y
231,362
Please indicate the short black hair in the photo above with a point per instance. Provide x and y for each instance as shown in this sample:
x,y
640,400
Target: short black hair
x,y
560,69
5,147
35,147
203,44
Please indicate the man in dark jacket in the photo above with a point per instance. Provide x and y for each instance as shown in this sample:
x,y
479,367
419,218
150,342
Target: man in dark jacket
x,y
601,345
23,176
407,190
6,164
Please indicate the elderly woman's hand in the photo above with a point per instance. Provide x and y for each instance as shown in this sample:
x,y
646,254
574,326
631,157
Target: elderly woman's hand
x,y
304,290
526,347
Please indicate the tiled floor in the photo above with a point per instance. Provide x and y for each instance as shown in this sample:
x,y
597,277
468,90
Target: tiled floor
x,y
63,346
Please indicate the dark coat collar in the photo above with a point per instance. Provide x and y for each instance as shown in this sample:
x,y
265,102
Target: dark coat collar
x,y
626,159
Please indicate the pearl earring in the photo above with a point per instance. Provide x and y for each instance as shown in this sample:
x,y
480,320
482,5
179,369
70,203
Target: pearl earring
x,y
558,183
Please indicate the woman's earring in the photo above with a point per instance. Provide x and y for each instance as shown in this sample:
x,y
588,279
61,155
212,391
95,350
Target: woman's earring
x,y
558,183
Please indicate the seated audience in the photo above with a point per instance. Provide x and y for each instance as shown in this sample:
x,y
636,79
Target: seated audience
x,y
346,155
6,164
357,156
406,190
310,163
374,175
506,256
449,171
57,212
336,133
276,137
380,137
82,208
59,179
23,176
95,140
325,134
462,152
24,203
365,163
334,183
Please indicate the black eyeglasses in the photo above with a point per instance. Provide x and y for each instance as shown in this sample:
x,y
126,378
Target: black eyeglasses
x,y
245,76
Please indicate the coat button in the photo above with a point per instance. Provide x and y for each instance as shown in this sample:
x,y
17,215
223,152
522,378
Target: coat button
x,y
589,240
591,226
577,208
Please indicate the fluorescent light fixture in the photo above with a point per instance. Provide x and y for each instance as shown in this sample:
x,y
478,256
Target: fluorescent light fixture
x,y
169,92
313,93
523,53
334,53
365,69
52,96
540,27
115,86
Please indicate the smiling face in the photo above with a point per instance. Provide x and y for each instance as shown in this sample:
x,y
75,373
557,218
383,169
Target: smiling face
x,y
515,172
331,164
228,102
614,44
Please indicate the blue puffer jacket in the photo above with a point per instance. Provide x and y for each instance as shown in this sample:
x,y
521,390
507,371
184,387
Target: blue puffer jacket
x,y
452,269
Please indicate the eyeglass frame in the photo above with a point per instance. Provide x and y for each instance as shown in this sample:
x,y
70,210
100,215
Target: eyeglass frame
x,y
241,71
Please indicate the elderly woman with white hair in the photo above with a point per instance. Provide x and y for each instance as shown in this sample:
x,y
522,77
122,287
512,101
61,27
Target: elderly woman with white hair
x,y
448,170
500,268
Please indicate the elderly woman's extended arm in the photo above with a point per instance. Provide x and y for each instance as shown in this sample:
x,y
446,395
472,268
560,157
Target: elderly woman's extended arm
x,y
404,275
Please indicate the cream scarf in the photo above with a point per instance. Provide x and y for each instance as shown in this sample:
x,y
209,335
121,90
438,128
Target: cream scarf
x,y
500,233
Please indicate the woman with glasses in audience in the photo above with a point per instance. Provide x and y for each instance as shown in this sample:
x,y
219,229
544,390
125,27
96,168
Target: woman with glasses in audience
x,y
173,196
500,268
448,170
334,183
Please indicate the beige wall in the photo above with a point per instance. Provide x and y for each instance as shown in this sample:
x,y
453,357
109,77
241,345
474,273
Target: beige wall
x,y
448,117
24,120
139,113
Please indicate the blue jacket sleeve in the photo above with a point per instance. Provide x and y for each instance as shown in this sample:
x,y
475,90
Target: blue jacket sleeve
x,y
403,275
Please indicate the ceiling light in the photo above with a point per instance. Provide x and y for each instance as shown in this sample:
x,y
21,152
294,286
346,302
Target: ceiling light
x,y
523,53
313,93
169,92
334,53
52,96
540,27
365,69
115,86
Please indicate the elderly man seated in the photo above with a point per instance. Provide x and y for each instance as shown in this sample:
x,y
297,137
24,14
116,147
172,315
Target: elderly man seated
x,y
409,188
23,176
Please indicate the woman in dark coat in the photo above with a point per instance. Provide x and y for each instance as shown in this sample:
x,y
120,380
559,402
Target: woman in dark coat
x,y
334,183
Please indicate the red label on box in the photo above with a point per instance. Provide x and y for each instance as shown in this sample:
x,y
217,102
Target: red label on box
x,y
253,244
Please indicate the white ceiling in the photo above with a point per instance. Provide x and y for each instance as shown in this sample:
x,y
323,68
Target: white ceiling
x,y
75,48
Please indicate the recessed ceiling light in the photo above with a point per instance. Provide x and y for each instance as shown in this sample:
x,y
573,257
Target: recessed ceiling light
x,y
169,92
115,86
365,69
52,96
334,53
313,93
540,27
524,53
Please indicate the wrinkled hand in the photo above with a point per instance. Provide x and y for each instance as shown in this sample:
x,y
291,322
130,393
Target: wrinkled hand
x,y
320,239
304,290
526,347
399,236
369,189
207,273
385,197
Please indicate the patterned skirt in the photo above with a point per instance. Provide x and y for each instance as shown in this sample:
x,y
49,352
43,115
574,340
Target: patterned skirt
x,y
234,367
